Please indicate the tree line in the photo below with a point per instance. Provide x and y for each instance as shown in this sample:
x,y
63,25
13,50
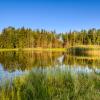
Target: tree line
x,y
84,37
11,37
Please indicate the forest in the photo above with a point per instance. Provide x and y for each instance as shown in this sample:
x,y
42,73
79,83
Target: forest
x,y
11,37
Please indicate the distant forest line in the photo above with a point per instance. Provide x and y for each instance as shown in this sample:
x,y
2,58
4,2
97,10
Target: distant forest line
x,y
11,37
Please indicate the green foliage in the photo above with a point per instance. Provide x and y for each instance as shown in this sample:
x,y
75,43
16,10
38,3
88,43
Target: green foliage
x,y
63,86
27,38
90,37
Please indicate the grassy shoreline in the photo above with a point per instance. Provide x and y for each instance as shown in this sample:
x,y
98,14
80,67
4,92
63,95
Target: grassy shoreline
x,y
93,50
85,46
80,47
34,49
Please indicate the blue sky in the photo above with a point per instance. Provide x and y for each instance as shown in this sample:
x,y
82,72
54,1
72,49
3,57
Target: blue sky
x,y
59,15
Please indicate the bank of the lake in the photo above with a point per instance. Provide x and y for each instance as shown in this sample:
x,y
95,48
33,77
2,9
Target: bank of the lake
x,y
34,49
93,50
81,47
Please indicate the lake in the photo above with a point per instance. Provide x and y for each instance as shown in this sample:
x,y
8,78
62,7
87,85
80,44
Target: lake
x,y
47,75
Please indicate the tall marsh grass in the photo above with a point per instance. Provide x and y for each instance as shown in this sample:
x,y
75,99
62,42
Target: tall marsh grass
x,y
85,50
62,86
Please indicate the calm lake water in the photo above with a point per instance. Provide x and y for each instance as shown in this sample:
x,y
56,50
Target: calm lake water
x,y
19,64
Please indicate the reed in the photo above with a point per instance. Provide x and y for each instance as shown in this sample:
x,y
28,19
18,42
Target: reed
x,y
61,86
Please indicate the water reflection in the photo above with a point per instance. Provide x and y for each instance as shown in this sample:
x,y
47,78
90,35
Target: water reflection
x,y
5,75
12,61
17,63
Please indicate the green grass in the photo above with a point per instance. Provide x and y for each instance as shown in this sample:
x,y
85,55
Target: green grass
x,y
35,49
90,47
45,49
85,46
9,49
84,50
61,86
